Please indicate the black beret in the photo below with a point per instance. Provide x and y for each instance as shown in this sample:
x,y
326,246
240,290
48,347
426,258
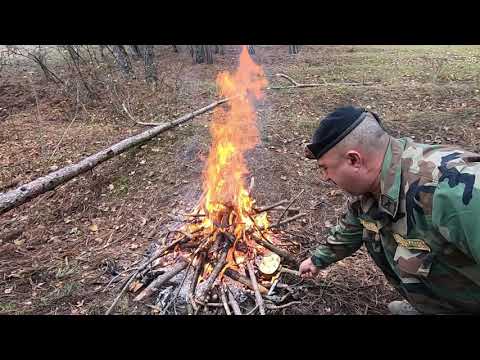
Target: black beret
x,y
333,128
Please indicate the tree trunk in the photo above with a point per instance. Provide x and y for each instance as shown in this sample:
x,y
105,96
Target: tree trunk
x,y
136,50
251,49
216,49
121,57
222,50
293,49
199,57
208,54
175,49
150,70
102,49
24,193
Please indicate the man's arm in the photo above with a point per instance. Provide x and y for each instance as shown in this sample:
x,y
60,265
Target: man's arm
x,y
456,215
343,241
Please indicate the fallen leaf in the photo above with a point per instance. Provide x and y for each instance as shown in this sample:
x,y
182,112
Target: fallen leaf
x,y
18,242
284,178
93,228
8,291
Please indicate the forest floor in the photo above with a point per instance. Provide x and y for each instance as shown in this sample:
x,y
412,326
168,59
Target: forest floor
x,y
59,252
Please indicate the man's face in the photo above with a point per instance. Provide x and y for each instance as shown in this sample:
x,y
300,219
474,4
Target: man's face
x,y
346,170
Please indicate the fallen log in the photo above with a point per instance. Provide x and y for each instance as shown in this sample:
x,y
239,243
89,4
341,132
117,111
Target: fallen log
x,y
296,85
26,192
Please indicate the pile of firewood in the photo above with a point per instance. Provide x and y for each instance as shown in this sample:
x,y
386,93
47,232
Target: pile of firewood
x,y
202,264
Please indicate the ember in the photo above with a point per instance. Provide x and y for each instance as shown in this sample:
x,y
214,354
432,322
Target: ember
x,y
226,234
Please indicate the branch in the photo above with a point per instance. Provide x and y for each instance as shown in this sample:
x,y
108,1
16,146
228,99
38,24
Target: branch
x,y
258,296
301,85
291,202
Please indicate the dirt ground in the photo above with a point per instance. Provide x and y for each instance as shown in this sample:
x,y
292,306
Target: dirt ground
x,y
59,252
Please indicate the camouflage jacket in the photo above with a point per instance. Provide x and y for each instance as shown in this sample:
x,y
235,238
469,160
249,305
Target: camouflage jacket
x,y
422,230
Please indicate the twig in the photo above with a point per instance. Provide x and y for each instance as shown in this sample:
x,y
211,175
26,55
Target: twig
x,y
224,300
129,115
243,280
68,127
286,221
155,255
159,281
196,274
288,206
288,78
275,307
258,296
253,310
269,207
233,303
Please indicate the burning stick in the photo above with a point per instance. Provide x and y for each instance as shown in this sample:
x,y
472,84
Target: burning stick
x,y
222,261
159,281
243,280
282,253
258,296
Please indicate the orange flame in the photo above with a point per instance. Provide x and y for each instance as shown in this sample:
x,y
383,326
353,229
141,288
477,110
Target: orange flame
x,y
234,132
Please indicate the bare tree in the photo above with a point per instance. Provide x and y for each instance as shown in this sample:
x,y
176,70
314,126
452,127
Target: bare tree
x,y
38,55
136,51
76,58
121,57
208,54
293,49
202,53
150,69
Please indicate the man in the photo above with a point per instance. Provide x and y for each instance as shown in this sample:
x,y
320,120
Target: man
x,y
416,207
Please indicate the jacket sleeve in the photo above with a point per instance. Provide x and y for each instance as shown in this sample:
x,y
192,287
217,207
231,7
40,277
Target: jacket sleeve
x,y
344,239
456,215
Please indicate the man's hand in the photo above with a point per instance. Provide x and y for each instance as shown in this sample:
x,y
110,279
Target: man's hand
x,y
308,269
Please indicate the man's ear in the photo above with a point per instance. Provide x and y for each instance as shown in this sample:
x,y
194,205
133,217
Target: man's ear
x,y
354,158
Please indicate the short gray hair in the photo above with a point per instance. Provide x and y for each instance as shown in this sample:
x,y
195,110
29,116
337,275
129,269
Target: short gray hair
x,y
368,136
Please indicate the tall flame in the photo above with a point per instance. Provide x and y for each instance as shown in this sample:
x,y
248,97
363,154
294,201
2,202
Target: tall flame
x,y
234,132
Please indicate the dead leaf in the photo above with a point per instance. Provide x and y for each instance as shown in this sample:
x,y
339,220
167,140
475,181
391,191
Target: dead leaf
x,y
8,291
284,178
93,228
111,187
18,242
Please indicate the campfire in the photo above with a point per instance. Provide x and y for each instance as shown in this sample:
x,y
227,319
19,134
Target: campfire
x,y
225,248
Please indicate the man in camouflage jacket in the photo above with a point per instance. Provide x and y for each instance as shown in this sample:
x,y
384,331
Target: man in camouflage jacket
x,y
416,207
